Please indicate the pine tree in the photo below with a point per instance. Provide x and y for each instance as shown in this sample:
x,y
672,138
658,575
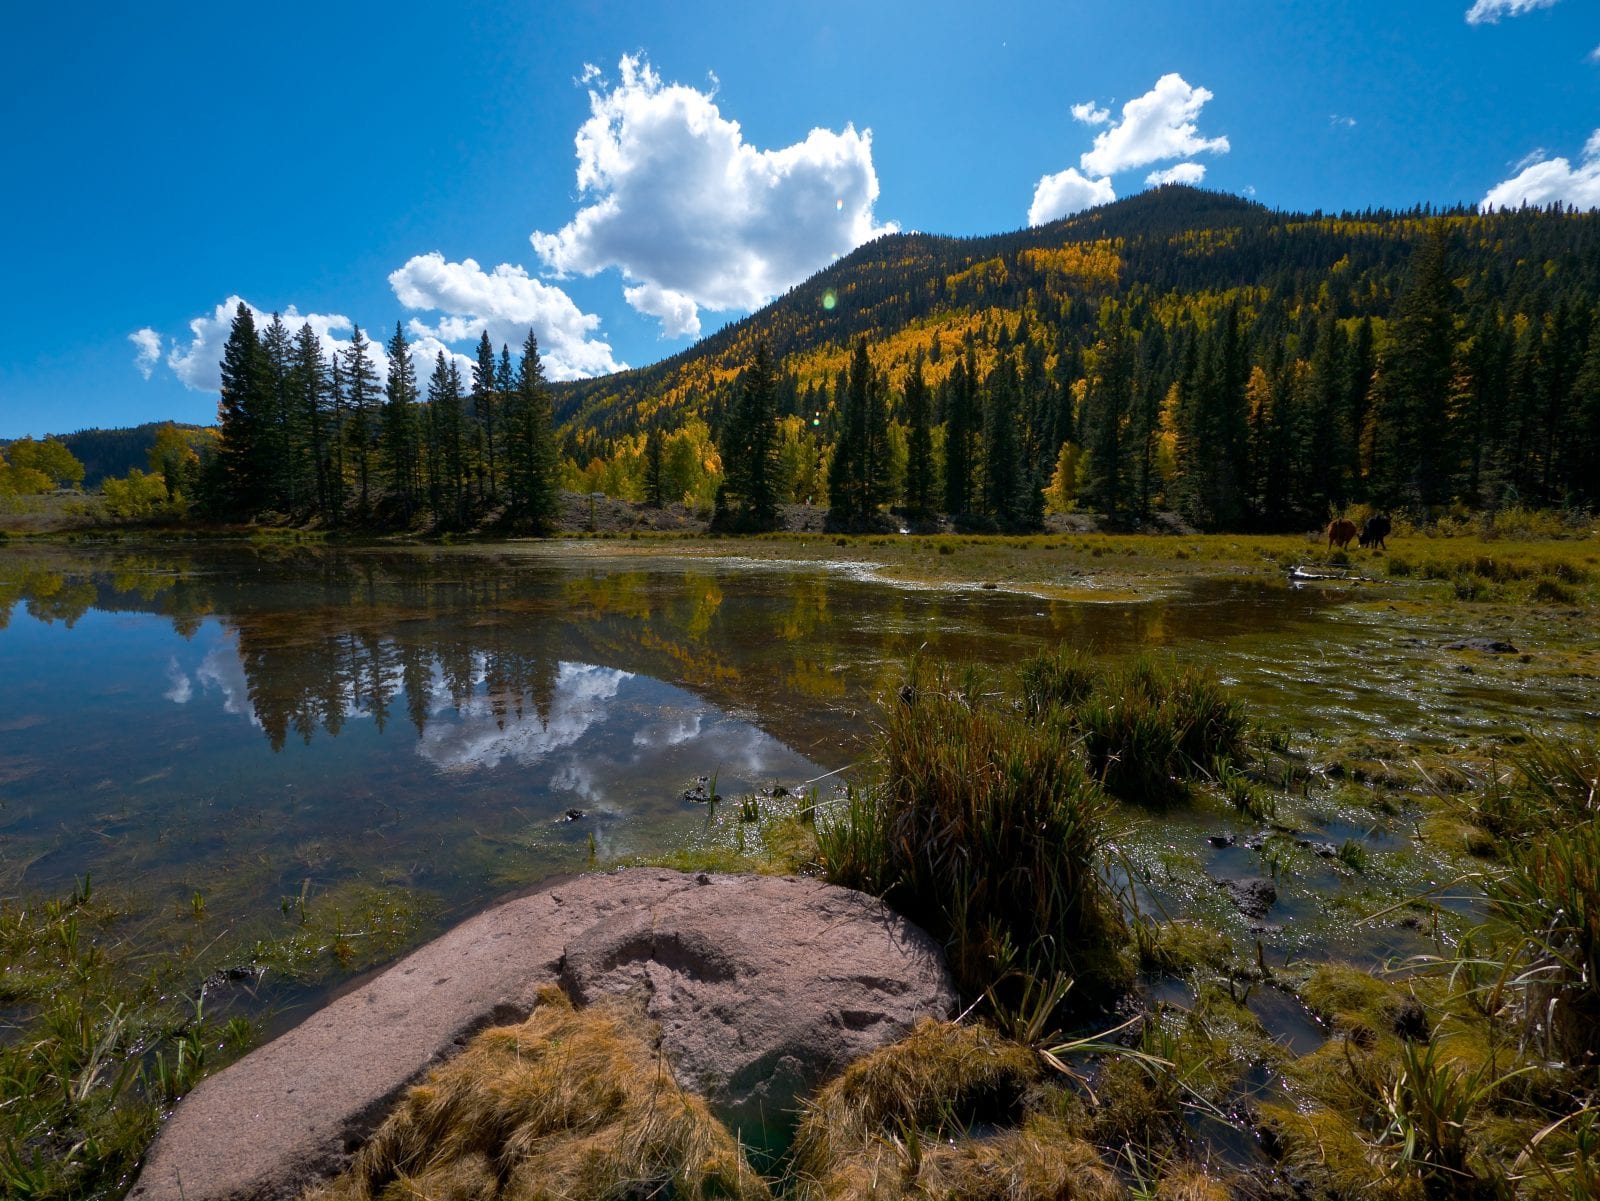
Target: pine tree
x,y
531,467
361,395
402,454
308,384
240,416
1411,455
919,444
747,499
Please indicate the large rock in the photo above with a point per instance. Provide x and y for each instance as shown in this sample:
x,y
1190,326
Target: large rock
x,y
762,986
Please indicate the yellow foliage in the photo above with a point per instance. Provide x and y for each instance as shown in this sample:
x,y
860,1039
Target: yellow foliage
x,y
1094,262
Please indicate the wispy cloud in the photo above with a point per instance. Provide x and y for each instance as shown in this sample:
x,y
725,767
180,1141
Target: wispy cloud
x,y
148,350
1489,12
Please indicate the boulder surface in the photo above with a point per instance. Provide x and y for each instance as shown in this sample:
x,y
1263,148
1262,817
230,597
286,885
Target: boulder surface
x,y
763,986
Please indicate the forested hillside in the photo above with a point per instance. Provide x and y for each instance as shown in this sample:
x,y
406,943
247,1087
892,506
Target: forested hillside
x,y
1179,350
1182,349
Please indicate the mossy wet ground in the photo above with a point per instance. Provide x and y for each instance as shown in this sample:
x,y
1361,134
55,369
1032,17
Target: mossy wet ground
x,y
1383,734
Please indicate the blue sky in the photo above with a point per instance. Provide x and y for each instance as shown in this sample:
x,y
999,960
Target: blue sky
x,y
371,163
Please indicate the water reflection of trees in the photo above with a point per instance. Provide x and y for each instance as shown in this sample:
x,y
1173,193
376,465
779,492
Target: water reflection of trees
x,y
326,634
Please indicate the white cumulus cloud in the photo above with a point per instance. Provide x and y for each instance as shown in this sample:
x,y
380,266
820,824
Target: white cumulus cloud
x,y
1554,180
506,302
1089,114
1161,124
678,314
1067,192
148,350
1489,12
1189,173
197,364
694,216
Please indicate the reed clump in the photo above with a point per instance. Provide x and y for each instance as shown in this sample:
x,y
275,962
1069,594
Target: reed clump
x,y
571,1103
944,1113
1148,729
988,830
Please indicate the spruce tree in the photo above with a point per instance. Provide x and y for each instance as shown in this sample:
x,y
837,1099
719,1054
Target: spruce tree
x,y
485,411
308,384
447,459
747,499
654,479
961,424
1004,473
240,415
531,468
361,394
1411,455
919,444
402,453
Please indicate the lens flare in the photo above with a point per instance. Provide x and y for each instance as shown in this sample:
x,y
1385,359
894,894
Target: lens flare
x,y
829,300
838,205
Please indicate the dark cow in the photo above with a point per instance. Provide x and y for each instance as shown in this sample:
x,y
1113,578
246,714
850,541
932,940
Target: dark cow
x,y
1375,530
1340,531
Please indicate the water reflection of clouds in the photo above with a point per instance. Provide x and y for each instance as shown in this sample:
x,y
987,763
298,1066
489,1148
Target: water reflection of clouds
x,y
181,689
669,730
481,738
221,670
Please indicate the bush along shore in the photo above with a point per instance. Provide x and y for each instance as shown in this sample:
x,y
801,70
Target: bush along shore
x,y
1112,1045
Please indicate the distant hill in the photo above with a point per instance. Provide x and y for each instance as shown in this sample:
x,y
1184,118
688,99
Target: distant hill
x,y
1170,249
113,452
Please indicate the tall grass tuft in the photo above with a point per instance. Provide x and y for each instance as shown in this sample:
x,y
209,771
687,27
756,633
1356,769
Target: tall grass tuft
x,y
986,829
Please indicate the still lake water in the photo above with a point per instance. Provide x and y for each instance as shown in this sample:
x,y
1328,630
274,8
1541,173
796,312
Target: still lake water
x,y
255,725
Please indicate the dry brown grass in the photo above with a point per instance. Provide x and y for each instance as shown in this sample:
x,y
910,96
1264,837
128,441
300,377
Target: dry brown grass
x,y
569,1104
942,1114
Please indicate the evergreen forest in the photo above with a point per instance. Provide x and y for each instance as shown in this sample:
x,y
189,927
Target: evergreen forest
x,y
1180,350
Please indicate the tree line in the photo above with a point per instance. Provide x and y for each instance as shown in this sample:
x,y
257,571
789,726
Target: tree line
x,y
1180,351
314,437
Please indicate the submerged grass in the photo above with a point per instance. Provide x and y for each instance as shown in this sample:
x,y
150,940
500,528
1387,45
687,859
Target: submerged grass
x,y
96,1050
568,1104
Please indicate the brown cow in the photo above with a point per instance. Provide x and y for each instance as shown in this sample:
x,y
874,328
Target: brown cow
x,y
1340,531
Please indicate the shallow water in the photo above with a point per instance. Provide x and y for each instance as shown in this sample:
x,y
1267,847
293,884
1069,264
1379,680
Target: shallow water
x,y
258,725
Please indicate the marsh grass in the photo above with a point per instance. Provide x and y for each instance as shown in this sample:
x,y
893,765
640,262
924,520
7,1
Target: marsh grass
x,y
986,819
568,1104
96,1050
988,830
946,1112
